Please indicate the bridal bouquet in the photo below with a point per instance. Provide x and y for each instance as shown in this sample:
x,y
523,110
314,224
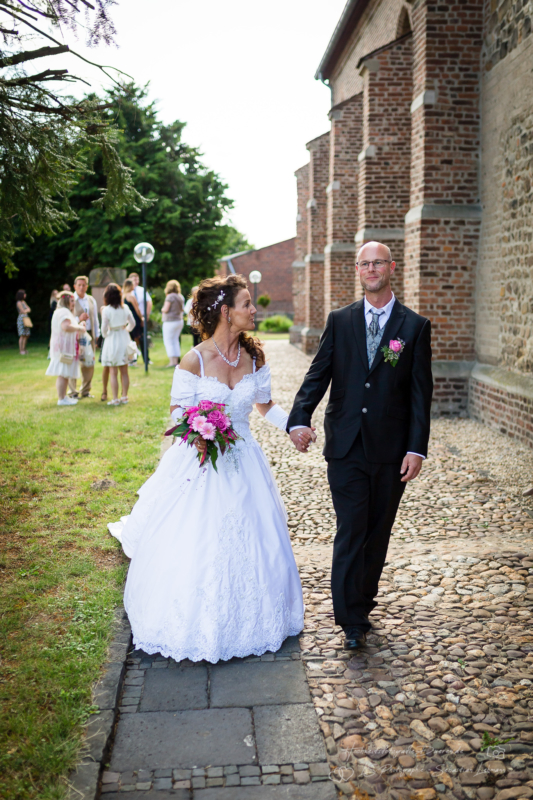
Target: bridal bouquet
x,y
210,421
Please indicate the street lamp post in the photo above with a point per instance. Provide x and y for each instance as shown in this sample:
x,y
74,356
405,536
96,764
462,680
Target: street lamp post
x,y
143,253
255,278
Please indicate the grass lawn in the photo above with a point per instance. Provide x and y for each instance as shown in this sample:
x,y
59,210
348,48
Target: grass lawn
x,y
61,572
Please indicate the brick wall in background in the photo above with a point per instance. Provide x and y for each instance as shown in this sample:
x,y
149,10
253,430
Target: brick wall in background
x,y
316,241
300,251
342,203
385,157
274,262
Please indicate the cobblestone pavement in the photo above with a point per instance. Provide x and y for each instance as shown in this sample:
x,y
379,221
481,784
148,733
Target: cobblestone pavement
x,y
439,703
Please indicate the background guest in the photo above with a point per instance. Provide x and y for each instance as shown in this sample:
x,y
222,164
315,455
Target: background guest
x,y
173,321
66,288
117,321
64,362
23,329
190,317
53,303
139,294
86,311
131,301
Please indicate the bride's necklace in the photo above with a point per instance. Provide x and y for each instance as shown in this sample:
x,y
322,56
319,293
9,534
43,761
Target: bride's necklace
x,y
221,354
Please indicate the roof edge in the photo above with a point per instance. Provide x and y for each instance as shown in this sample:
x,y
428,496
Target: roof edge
x,y
350,16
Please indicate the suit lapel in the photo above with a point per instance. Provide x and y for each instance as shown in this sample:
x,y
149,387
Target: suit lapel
x,y
359,328
391,331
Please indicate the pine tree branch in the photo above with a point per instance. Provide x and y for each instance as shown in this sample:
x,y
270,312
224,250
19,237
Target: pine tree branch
x,y
47,75
29,55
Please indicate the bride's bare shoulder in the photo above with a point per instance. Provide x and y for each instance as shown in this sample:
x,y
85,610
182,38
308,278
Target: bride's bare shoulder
x,y
190,363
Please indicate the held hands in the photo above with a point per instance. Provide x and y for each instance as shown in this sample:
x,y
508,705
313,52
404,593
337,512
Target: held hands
x,y
83,316
411,466
302,438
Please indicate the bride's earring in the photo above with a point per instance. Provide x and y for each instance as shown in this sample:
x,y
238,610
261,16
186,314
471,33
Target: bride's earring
x,y
229,320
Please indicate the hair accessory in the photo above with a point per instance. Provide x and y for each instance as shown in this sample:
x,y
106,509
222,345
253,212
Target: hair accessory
x,y
218,300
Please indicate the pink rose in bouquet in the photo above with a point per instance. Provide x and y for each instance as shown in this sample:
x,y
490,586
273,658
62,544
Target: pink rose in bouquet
x,y
219,420
208,421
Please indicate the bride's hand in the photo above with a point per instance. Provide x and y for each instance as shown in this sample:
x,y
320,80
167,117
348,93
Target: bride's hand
x,y
200,444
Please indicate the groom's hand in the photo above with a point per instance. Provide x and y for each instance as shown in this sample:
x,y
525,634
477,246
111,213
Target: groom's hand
x,y
411,466
302,437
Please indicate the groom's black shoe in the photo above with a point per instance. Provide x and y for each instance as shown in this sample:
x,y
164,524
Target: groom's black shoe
x,y
355,639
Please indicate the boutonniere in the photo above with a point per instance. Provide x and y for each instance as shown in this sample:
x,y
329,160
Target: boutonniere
x,y
393,351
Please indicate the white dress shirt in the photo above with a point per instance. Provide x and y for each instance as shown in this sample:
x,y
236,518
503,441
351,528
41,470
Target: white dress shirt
x,y
84,303
139,294
385,313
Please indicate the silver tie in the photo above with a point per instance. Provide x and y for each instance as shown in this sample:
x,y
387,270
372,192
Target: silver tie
x,y
374,325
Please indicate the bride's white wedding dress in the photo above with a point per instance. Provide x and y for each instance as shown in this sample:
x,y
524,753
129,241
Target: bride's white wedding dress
x,y
212,573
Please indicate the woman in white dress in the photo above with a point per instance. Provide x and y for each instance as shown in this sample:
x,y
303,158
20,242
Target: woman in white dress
x,y
117,321
64,351
212,573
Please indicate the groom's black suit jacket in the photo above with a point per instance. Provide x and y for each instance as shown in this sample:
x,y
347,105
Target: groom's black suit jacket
x,y
397,399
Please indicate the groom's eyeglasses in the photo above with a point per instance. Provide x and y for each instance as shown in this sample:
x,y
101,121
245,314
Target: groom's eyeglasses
x,y
378,264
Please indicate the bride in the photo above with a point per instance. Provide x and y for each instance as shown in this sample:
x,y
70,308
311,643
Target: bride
x,y
212,573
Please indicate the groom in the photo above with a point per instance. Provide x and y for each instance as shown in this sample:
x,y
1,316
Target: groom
x,y
376,425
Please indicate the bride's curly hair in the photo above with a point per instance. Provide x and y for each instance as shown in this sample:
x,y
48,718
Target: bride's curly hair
x,y
206,311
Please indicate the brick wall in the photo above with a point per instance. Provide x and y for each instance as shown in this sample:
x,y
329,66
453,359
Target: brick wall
x,y
385,158
274,262
442,226
300,251
508,412
380,24
316,241
342,200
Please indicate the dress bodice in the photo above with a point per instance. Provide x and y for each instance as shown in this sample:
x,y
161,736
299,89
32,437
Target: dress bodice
x,y
188,389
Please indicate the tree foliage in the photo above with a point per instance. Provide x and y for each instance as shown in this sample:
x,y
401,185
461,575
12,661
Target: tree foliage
x,y
184,220
46,137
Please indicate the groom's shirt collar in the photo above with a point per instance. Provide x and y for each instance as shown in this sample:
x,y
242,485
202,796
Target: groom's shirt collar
x,y
385,312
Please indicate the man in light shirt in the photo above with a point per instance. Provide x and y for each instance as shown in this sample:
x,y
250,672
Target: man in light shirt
x,y
138,291
85,309
376,353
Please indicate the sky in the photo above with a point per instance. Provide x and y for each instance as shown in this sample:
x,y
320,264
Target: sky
x,y
240,73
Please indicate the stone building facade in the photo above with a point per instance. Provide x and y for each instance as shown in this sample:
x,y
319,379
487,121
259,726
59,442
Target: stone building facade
x,y
274,262
430,150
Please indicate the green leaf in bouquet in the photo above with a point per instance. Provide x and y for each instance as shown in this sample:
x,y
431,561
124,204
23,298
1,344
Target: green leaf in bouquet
x,y
213,452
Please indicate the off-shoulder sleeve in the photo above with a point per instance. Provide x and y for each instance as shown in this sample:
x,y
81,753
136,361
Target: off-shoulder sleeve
x,y
263,394
183,390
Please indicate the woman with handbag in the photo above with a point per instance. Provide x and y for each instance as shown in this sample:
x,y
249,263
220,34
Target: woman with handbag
x,y
24,323
117,321
64,349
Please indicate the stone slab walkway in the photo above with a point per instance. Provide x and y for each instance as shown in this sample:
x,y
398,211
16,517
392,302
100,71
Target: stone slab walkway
x,y
246,728
440,702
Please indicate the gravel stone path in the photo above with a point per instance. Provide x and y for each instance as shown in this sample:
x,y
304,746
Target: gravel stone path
x,y
440,702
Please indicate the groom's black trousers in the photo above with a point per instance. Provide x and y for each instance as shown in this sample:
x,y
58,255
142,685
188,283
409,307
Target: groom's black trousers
x,y
366,497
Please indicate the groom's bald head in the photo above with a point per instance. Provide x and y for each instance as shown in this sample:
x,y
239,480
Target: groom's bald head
x,y
370,247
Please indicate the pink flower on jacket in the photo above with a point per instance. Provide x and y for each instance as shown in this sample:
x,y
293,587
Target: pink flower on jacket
x,y
205,405
218,419
207,430
395,345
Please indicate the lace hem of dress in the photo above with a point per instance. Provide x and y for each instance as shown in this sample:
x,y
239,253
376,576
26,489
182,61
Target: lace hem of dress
x,y
225,655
